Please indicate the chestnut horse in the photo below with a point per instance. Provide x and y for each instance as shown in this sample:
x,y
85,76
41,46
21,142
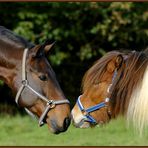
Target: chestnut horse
x,y
25,69
115,85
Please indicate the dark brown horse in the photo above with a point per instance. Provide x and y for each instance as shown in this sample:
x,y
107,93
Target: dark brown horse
x,y
25,69
115,85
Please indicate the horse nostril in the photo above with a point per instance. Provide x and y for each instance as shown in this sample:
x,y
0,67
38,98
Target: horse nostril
x,y
66,123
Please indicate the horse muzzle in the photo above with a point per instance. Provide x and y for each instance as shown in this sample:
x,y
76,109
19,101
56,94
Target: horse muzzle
x,y
55,127
82,124
79,120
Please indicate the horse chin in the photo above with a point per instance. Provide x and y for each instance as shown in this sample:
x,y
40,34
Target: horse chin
x,y
85,125
51,128
89,125
82,124
54,127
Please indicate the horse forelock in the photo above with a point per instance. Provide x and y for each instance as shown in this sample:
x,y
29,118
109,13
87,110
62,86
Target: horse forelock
x,y
95,73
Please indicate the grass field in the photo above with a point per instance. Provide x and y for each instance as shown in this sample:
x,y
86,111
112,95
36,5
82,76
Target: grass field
x,y
24,131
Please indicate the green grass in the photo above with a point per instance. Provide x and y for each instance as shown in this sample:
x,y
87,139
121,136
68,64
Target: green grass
x,y
24,131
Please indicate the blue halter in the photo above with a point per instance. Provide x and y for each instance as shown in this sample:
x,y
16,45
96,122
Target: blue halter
x,y
86,112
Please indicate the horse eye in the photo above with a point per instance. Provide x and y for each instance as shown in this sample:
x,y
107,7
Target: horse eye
x,y
43,77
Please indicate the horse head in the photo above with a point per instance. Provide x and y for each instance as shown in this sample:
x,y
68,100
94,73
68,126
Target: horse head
x,y
93,106
25,68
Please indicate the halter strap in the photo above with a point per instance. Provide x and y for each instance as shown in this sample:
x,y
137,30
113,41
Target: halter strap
x,y
90,109
49,103
113,79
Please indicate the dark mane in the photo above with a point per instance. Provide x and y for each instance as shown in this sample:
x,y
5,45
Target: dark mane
x,y
95,73
7,36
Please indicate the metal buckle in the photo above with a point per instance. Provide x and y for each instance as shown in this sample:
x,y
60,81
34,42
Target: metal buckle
x,y
25,82
84,113
51,103
41,123
107,100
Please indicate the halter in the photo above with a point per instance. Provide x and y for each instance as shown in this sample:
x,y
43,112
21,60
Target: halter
x,y
25,83
86,112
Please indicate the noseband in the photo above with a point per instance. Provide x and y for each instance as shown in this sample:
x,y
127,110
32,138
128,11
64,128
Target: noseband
x,y
86,112
50,104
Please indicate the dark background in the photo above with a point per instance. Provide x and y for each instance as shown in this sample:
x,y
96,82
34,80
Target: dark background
x,y
83,31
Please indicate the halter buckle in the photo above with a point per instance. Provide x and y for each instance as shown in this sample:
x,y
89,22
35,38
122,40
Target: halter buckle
x,y
84,113
25,82
51,103
107,100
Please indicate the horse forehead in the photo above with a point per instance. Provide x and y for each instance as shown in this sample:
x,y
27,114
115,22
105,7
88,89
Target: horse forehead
x,y
95,91
40,64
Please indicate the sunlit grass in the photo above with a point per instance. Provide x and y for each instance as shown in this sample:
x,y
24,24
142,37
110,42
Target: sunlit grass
x,y
24,131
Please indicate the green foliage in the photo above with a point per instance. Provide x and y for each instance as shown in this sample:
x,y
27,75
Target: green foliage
x,y
83,31
76,26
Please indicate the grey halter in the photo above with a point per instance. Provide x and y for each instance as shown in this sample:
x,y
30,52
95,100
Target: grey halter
x,y
25,83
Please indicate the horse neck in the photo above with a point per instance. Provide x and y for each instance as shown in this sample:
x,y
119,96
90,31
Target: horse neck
x,y
10,63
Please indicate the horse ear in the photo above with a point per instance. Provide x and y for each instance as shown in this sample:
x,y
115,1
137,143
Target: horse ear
x,y
115,63
36,51
119,61
39,51
47,47
44,48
